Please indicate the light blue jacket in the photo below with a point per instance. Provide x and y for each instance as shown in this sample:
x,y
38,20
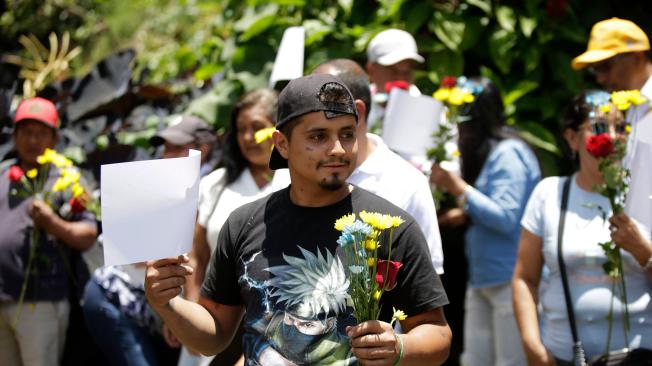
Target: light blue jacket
x,y
495,206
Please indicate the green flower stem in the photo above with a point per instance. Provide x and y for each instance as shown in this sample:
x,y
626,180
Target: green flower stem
x,y
28,272
610,316
389,257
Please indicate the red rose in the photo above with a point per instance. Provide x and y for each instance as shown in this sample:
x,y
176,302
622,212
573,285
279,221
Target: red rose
x,y
396,84
77,205
389,267
449,82
600,145
15,173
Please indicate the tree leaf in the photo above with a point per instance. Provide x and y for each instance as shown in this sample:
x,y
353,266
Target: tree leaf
x,y
528,24
501,44
206,71
506,18
522,88
485,5
449,29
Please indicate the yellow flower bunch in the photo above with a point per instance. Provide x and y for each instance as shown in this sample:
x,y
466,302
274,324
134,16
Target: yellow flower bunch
x,y
52,157
344,221
453,96
625,98
68,177
264,134
380,221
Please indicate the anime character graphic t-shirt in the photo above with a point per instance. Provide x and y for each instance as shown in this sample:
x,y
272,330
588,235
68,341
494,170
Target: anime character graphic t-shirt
x,y
282,262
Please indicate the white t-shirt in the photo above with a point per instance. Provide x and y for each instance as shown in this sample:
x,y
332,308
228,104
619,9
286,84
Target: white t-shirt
x,y
590,288
389,176
243,190
394,179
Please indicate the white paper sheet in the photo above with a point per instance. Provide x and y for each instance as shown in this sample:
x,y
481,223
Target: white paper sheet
x,y
288,64
149,208
410,122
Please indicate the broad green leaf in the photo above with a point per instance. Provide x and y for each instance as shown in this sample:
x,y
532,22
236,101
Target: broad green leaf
x,y
485,5
522,88
449,29
501,48
346,5
315,31
506,18
207,70
258,27
416,16
528,25
255,21
531,58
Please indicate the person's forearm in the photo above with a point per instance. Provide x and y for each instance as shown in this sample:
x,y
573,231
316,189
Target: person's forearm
x,y
426,344
525,311
192,288
77,235
193,325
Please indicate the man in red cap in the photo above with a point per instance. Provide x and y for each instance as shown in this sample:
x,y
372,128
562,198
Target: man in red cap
x,y
38,335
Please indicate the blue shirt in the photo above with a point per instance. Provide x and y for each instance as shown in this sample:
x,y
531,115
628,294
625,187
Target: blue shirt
x,y
495,206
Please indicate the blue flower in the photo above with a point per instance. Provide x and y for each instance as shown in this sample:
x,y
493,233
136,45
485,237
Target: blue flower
x,y
345,240
597,98
359,230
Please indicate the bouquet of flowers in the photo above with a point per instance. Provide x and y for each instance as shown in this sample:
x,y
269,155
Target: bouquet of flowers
x,y
370,276
32,183
457,94
610,153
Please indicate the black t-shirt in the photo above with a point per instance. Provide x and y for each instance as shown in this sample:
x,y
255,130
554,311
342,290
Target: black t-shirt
x,y
282,262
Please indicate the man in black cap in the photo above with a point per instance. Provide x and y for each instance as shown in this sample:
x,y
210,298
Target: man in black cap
x,y
278,258
185,133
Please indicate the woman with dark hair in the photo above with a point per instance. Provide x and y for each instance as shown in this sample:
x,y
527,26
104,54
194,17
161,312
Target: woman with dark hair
x,y
243,176
499,172
547,339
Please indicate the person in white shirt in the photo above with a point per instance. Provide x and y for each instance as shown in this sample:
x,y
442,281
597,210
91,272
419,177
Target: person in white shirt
x,y
380,170
391,57
617,54
244,176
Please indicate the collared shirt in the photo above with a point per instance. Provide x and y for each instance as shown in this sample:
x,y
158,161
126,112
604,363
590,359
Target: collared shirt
x,y
16,227
394,179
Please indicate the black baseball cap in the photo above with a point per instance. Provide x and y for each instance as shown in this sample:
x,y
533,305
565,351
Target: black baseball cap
x,y
184,130
312,93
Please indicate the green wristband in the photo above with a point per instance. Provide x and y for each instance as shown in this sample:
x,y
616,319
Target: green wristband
x,y
400,352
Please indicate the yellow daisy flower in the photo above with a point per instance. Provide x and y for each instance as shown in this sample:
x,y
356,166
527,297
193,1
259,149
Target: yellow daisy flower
x,y
442,94
32,173
77,190
377,295
344,221
371,244
371,262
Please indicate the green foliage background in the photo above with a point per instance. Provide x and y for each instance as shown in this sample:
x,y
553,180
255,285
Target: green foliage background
x,y
524,46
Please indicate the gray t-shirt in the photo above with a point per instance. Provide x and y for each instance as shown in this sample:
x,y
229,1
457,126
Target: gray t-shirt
x,y
49,280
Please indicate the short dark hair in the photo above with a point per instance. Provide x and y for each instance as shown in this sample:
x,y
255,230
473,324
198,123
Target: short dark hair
x,y
233,159
353,76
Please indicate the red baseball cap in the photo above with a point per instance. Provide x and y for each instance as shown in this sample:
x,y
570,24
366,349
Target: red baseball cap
x,y
37,109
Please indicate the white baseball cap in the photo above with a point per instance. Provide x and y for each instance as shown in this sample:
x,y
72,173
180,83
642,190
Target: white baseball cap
x,y
392,46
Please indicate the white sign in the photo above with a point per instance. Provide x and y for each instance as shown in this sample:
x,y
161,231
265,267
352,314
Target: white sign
x,y
410,122
149,208
289,59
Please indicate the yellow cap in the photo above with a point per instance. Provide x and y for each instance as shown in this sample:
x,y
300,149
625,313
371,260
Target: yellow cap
x,y
609,38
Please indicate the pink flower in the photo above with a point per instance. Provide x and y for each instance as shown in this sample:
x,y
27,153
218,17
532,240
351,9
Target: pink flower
x,y
389,267
15,173
600,145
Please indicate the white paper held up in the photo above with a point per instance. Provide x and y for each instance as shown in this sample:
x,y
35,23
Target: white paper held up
x,y
410,122
149,208
288,64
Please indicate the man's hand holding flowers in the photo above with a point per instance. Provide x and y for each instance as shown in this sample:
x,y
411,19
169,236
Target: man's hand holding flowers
x,y
375,343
